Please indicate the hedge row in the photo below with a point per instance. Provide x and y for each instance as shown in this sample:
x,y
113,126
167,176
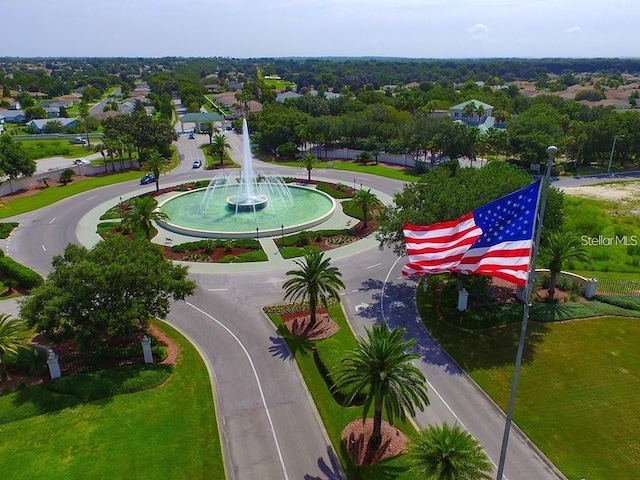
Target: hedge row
x,y
340,192
301,238
211,243
24,276
6,228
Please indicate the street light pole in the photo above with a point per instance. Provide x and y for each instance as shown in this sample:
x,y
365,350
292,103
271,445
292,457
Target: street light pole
x,y
613,149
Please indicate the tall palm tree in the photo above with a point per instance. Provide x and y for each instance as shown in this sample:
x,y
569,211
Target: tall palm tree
x,y
140,215
445,453
83,113
382,370
366,201
219,146
561,247
209,129
316,282
11,338
101,149
309,162
156,164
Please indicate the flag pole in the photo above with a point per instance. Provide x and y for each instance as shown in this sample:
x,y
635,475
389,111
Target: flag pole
x,y
552,151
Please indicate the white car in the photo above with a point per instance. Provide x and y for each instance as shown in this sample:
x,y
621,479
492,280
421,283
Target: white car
x,y
81,161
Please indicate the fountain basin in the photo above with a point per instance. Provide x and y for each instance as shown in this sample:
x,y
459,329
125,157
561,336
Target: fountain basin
x,y
220,220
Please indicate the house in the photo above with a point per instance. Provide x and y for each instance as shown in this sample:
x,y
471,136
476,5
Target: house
x,y
38,124
52,112
13,116
472,112
284,96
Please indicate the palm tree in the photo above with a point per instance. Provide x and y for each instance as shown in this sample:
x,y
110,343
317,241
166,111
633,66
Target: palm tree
x,y
315,282
101,148
140,215
366,201
445,453
561,247
11,338
83,113
209,129
219,146
309,162
382,370
155,164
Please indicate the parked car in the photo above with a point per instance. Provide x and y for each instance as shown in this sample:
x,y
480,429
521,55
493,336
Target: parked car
x,y
197,164
78,141
148,178
81,161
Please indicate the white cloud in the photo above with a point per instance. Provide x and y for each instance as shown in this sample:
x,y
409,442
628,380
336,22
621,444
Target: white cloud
x,y
574,30
479,32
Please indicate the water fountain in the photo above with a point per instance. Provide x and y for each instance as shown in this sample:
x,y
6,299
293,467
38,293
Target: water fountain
x,y
247,205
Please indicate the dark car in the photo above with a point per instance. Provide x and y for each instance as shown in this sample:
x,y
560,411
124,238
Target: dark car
x,y
191,136
148,178
197,164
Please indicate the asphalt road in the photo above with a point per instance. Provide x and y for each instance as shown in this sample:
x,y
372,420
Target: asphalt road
x,y
270,428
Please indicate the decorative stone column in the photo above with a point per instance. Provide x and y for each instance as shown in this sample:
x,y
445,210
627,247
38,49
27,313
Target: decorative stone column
x,y
463,300
54,365
146,349
590,287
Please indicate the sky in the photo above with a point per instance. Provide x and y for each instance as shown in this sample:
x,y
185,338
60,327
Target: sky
x,y
320,28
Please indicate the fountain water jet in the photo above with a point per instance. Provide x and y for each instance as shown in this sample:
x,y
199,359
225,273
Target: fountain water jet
x,y
235,207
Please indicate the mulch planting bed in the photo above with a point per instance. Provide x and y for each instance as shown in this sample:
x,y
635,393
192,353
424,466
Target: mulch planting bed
x,y
356,437
73,361
299,324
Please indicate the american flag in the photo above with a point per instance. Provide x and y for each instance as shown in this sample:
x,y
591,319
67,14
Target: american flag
x,y
495,240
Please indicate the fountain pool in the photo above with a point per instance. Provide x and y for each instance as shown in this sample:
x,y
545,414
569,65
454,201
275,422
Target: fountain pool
x,y
215,219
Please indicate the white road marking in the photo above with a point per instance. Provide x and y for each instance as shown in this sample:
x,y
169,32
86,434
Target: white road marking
x,y
373,266
356,290
255,374
91,198
361,306
43,248
217,289
386,280
52,220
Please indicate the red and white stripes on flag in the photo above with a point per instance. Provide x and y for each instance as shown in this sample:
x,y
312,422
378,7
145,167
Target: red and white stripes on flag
x,y
495,240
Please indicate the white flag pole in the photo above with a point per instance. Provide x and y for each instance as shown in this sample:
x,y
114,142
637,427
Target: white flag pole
x,y
552,151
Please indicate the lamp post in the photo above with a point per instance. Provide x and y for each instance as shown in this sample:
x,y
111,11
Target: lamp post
x,y
282,232
120,206
257,234
613,149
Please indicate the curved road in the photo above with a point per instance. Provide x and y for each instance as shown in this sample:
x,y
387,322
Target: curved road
x,y
269,427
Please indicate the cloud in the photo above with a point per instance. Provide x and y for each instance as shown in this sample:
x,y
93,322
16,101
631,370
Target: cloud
x,y
479,32
574,30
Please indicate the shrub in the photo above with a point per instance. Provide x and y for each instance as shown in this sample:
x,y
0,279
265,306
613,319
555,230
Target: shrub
x,y
339,193
65,176
25,277
303,239
6,228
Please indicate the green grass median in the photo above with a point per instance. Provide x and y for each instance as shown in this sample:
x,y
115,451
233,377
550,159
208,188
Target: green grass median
x,y
168,432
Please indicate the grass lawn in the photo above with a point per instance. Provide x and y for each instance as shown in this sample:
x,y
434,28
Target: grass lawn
x,y
334,416
578,390
167,432
592,218
51,195
380,170
39,148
